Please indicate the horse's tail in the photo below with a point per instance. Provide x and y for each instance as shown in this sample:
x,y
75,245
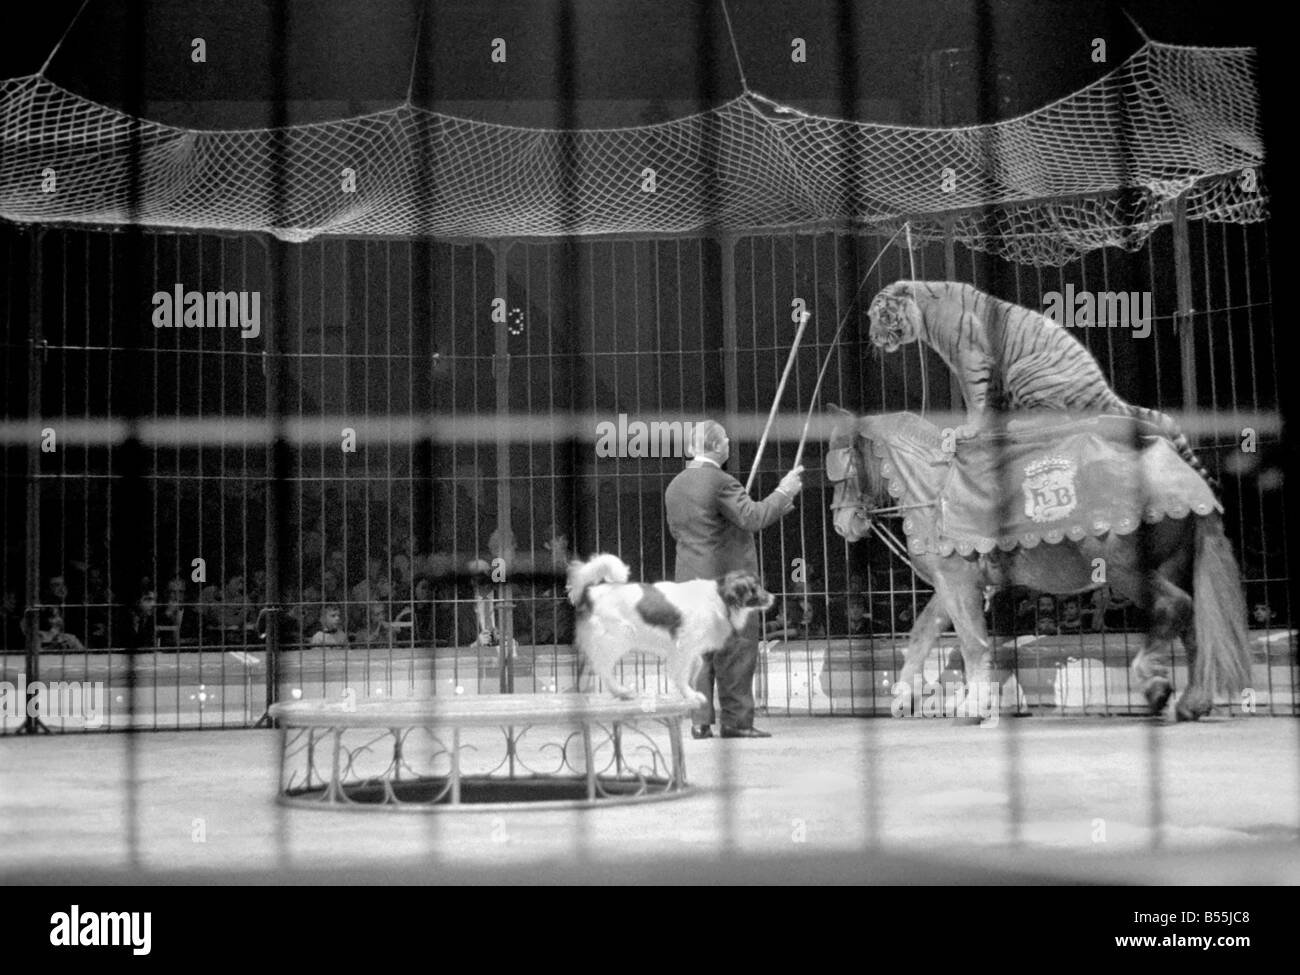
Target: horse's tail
x,y
1164,423
1222,655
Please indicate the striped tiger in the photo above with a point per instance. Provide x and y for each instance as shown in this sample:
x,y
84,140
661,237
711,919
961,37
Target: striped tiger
x,y
1042,366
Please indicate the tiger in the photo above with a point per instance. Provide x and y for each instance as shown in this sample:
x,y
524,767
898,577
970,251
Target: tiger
x,y
1043,367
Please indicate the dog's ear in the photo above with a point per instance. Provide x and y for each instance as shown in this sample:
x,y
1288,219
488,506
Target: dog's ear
x,y
742,590
729,590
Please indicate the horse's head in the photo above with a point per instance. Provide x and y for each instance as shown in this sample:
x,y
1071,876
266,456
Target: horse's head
x,y
846,469
895,317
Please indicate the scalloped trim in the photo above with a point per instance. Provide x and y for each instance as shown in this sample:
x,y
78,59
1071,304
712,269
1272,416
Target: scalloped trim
x,y
923,539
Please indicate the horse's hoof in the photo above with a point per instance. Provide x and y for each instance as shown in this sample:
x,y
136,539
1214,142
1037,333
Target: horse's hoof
x,y
1157,695
1194,705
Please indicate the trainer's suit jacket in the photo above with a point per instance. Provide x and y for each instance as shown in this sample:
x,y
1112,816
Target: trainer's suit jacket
x,y
714,521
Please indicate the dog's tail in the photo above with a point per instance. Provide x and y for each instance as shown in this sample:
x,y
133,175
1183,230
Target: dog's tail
x,y
597,569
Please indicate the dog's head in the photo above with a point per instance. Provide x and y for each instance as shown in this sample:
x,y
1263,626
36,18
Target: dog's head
x,y
742,593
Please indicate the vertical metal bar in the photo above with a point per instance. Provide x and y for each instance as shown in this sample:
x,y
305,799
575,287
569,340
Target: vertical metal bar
x,y
1183,314
274,338
501,367
272,335
35,370
730,364
955,400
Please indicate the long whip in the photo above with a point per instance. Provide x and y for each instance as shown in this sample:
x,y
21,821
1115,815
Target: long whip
x,y
812,404
776,402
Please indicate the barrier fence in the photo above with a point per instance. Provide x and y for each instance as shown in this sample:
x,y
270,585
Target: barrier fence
x,y
445,425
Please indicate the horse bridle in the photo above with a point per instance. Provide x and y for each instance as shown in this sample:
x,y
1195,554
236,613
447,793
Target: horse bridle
x,y
848,467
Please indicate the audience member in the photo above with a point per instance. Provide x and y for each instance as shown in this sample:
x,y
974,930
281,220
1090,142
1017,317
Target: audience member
x,y
377,631
136,631
11,618
176,621
330,633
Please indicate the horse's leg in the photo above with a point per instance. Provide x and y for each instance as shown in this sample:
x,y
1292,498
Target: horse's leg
x,y
961,586
929,626
1169,608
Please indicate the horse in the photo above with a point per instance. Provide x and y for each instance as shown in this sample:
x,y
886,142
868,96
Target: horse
x,y
1181,571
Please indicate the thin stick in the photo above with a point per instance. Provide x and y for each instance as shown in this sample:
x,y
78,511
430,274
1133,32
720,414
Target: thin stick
x,y
734,48
920,346
812,403
59,43
776,401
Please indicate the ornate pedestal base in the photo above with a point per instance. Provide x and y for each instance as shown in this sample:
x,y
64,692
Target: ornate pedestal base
x,y
482,753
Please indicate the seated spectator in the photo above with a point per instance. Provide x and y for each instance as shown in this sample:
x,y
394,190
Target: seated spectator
x,y
400,579
330,632
98,599
457,605
234,615
11,619
422,612
298,618
331,589
55,638
859,619
136,630
209,610
906,618
484,601
1071,620
257,594
552,616
797,620
1262,615
57,608
338,565
1045,624
176,622
378,631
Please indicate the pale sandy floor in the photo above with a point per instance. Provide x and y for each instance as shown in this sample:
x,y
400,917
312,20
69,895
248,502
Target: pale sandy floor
x,y
1059,798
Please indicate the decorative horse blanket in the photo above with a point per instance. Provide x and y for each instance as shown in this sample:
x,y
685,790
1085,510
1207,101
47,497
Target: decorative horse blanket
x,y
1048,477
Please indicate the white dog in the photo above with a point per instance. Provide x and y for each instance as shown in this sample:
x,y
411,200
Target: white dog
x,y
679,621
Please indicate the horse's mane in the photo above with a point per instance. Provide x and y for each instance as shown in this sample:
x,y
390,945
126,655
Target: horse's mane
x,y
894,429
874,488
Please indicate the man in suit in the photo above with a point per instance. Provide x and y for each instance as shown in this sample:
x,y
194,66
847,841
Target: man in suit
x,y
713,521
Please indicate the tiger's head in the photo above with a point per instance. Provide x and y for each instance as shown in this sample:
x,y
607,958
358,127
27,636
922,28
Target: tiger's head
x,y
895,317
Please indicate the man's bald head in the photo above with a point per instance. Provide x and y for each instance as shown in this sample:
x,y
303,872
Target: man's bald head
x,y
709,439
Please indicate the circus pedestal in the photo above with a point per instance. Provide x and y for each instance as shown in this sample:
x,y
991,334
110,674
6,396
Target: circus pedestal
x,y
486,752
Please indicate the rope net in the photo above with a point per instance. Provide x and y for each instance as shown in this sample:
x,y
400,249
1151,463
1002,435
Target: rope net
x,y
1100,167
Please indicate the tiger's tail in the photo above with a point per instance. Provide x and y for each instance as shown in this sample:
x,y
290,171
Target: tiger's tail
x,y
1169,429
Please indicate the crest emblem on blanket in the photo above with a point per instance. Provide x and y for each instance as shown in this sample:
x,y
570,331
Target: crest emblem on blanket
x,y
1049,489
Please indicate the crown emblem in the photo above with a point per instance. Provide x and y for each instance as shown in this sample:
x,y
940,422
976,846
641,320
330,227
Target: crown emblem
x,y
1049,489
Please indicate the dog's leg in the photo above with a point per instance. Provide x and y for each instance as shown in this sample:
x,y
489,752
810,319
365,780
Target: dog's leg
x,y
602,650
685,665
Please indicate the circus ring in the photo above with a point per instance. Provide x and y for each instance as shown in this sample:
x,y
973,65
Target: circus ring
x,y
519,751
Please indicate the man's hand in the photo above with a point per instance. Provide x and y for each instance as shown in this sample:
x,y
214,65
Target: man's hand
x,y
792,483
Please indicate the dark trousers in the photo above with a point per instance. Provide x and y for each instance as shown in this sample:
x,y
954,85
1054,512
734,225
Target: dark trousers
x,y
732,670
